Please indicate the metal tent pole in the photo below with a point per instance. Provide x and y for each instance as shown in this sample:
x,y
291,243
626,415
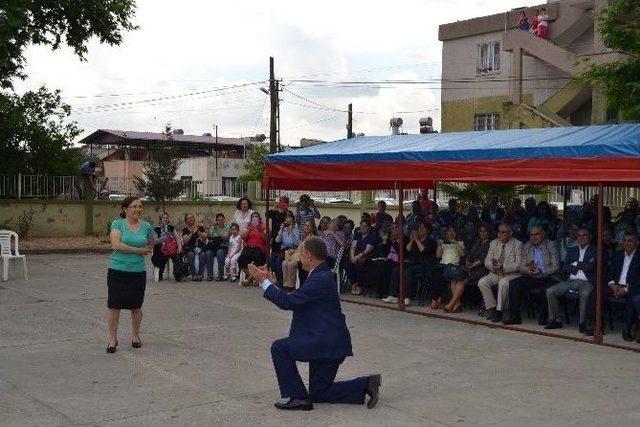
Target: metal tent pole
x,y
401,248
599,269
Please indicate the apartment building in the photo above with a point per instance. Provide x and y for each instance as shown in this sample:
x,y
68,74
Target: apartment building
x,y
495,76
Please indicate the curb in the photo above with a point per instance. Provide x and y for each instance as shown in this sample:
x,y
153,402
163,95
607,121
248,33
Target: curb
x,y
65,251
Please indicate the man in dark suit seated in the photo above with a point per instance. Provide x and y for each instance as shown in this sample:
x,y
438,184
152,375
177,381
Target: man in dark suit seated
x,y
318,335
580,268
624,280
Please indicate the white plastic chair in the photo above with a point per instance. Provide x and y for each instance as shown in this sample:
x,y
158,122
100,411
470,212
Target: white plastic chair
x,y
7,254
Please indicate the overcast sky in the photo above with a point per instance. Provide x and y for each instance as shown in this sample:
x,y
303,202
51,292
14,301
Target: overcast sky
x,y
175,67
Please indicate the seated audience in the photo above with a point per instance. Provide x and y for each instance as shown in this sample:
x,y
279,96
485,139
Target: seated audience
x,y
217,247
543,217
381,217
493,214
360,256
384,258
450,218
503,262
580,270
235,249
539,268
451,252
474,262
254,237
624,281
420,260
192,249
414,218
168,246
277,217
288,240
334,239
306,210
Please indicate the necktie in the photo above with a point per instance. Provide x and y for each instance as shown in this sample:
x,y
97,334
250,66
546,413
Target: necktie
x,y
502,253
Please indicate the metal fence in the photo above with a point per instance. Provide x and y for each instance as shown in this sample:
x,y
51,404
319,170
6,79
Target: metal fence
x,y
70,187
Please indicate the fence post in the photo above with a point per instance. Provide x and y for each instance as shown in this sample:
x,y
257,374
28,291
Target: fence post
x,y
19,185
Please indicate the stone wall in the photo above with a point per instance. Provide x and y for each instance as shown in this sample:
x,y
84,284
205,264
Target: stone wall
x,y
67,218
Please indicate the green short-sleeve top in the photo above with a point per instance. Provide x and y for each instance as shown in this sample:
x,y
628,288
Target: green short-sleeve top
x,y
125,261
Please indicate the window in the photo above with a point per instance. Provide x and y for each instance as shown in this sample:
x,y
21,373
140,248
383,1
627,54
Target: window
x,y
486,122
488,58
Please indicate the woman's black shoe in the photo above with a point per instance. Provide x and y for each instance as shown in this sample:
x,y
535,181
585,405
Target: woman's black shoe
x,y
136,344
111,350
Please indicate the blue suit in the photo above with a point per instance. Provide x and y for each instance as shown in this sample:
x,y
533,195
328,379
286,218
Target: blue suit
x,y
318,335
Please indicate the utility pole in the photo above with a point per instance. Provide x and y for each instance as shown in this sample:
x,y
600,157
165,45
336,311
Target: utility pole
x,y
216,148
350,122
275,107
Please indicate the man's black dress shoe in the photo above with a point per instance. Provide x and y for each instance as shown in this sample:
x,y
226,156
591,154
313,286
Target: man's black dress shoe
x,y
584,329
373,389
514,320
295,405
496,316
554,324
627,335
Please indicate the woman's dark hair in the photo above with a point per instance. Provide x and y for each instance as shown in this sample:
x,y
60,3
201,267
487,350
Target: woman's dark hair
x,y
353,224
186,214
543,207
219,215
233,224
125,204
290,214
240,202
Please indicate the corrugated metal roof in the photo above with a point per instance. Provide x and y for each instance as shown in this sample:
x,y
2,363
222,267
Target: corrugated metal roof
x,y
116,137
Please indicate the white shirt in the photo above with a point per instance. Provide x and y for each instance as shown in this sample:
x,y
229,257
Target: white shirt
x,y
580,274
625,267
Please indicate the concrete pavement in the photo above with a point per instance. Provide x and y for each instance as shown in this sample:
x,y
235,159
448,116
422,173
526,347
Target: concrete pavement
x,y
206,361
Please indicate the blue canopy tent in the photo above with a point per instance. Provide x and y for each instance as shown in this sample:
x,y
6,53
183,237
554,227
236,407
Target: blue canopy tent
x,y
586,155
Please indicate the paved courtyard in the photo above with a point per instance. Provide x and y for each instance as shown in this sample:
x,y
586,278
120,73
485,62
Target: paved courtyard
x,y
206,361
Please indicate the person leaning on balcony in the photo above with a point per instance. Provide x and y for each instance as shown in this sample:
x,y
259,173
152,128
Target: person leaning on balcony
x,y
523,22
131,240
543,24
190,237
533,28
503,261
540,267
580,267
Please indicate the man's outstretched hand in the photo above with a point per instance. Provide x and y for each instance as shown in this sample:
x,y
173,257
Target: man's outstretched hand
x,y
259,274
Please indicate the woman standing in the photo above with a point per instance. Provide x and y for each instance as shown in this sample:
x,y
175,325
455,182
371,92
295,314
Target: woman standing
x,y
131,240
168,238
334,239
242,215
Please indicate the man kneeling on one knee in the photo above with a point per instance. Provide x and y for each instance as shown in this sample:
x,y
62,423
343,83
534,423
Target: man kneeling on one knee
x,y
503,261
580,266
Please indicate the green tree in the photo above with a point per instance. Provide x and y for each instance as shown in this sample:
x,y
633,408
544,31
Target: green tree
x,y
481,194
159,181
619,25
34,137
255,164
57,22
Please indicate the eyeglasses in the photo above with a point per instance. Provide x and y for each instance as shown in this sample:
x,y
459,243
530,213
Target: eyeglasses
x,y
534,234
503,231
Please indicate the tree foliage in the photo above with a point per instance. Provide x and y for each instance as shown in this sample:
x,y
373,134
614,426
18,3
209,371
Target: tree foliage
x,y
481,194
34,137
159,181
255,164
619,25
57,22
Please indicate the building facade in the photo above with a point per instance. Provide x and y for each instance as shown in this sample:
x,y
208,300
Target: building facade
x,y
495,76
209,166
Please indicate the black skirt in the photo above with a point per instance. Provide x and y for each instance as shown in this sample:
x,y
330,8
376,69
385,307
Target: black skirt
x,y
251,254
126,289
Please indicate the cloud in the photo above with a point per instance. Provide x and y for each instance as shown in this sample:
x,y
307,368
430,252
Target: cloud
x,y
196,46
